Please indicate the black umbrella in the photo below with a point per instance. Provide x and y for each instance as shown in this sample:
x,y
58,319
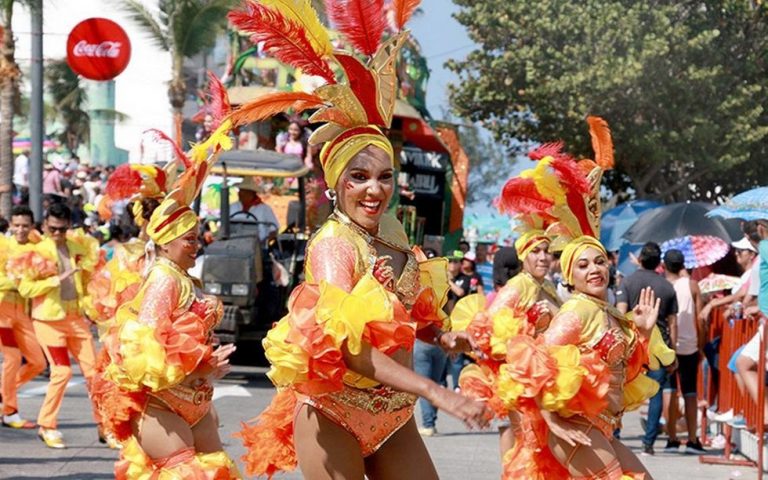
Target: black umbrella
x,y
681,219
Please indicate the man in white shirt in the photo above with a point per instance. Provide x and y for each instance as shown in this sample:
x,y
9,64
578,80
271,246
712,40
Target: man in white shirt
x,y
21,173
259,211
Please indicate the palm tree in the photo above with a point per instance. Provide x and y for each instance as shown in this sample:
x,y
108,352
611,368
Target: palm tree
x,y
184,28
10,75
69,97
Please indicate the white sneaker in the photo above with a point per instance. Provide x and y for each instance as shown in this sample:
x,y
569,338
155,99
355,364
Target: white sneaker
x,y
724,417
428,431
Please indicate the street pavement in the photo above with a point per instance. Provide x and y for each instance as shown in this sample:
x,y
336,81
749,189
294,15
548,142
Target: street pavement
x,y
458,454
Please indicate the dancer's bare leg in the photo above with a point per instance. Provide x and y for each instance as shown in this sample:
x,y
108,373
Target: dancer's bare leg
x,y
162,433
628,460
506,439
206,434
402,456
581,460
325,450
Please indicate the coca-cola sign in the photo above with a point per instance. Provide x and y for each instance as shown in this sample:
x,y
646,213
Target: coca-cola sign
x,y
98,49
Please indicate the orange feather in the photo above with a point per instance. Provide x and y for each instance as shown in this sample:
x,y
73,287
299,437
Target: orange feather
x,y
403,11
602,143
271,104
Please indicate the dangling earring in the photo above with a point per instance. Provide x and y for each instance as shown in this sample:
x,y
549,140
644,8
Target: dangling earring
x,y
330,194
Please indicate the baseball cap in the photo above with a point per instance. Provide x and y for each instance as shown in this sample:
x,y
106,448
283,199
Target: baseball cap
x,y
456,255
470,256
674,256
744,244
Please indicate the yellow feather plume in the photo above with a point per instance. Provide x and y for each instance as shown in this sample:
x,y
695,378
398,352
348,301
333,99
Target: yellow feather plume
x,y
301,12
546,183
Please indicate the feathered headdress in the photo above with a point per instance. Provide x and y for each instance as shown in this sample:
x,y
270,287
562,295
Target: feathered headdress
x,y
561,195
354,111
173,217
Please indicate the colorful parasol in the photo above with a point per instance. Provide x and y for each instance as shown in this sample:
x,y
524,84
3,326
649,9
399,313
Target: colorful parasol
x,y
716,282
699,250
749,205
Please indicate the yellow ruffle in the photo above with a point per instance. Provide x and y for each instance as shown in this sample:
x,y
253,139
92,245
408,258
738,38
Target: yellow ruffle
x,y
506,324
433,274
568,380
134,464
87,248
143,362
342,317
465,310
638,391
659,354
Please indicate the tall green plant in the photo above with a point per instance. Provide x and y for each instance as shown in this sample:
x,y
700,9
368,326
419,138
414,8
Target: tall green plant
x,y
183,28
69,97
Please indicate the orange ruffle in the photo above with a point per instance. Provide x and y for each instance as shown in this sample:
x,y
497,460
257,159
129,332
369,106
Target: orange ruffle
x,y
479,382
116,406
530,458
185,342
32,265
591,397
269,441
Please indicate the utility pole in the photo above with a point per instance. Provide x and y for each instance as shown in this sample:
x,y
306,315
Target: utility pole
x,y
37,121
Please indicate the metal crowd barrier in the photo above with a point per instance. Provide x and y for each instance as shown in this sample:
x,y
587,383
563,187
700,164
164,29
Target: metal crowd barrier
x,y
733,334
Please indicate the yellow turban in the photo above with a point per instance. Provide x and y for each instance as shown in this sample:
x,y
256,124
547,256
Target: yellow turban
x,y
169,221
528,242
336,154
572,251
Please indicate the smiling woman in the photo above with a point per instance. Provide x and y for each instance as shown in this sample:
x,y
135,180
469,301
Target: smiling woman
x,y
367,185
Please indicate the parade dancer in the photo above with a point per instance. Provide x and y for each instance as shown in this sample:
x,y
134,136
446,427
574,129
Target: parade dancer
x,y
529,292
53,274
17,336
341,358
161,352
573,383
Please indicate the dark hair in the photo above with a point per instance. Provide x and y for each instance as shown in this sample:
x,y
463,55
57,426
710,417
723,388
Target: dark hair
x,y
505,265
674,265
23,211
650,256
3,225
60,211
148,205
750,230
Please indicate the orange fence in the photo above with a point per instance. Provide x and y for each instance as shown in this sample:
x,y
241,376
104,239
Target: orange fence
x,y
733,334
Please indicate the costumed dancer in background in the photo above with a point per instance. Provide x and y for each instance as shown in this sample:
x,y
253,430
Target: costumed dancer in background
x,y
17,336
573,383
529,293
53,274
161,352
119,281
341,358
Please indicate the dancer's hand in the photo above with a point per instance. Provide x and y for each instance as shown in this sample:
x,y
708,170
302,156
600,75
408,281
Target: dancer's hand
x,y
646,312
565,430
221,366
473,413
459,342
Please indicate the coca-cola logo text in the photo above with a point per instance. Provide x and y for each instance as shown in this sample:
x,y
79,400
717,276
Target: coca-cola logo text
x,y
103,49
98,49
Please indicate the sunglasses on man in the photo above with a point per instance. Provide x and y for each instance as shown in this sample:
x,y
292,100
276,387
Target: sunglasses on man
x,y
58,229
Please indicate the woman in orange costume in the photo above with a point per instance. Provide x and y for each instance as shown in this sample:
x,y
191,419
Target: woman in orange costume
x,y
528,292
572,383
161,351
341,358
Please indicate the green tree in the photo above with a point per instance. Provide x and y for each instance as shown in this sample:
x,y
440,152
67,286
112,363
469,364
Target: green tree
x,y
184,28
69,97
682,85
490,164
10,76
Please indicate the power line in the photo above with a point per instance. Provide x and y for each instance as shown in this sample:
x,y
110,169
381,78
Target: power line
x,y
448,52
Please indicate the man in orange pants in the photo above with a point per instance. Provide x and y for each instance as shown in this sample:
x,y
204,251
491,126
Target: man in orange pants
x,y
56,286
17,337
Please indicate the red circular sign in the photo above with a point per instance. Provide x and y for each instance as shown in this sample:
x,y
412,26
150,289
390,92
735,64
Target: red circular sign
x,y
98,49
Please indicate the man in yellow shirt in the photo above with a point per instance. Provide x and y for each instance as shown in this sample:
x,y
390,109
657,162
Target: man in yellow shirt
x,y
17,337
59,324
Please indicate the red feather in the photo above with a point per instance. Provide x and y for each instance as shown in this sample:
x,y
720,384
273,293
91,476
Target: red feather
x,y
159,136
554,149
123,183
363,83
218,101
520,196
361,21
285,39
403,11
570,175
271,104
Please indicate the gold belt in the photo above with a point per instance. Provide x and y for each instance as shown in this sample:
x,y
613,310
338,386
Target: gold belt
x,y
375,399
194,395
